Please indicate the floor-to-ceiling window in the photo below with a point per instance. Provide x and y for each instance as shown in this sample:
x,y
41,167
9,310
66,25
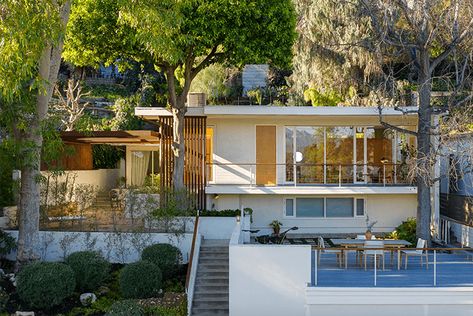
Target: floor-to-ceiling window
x,y
144,167
344,154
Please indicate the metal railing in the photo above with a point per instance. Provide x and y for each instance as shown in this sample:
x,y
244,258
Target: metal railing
x,y
456,267
296,174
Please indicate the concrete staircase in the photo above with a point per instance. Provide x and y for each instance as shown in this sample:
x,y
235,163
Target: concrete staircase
x,y
211,284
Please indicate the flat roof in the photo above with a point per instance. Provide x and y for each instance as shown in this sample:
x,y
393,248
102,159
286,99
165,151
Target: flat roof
x,y
111,137
265,110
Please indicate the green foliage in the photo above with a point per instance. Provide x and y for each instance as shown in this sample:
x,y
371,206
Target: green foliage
x,y
221,213
317,98
405,231
93,35
125,118
44,285
180,310
126,308
110,92
90,269
7,243
4,297
7,185
256,95
106,156
141,279
212,82
167,257
25,28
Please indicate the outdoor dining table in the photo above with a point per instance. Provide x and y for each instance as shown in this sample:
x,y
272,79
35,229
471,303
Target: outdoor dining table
x,y
359,243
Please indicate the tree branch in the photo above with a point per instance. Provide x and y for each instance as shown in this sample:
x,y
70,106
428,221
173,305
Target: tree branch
x,y
450,47
393,127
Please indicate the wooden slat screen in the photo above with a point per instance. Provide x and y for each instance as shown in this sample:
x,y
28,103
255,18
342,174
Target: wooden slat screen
x,y
194,166
266,155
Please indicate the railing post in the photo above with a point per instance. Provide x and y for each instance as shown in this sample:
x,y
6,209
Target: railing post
x,y
384,174
295,175
435,266
339,175
375,271
251,175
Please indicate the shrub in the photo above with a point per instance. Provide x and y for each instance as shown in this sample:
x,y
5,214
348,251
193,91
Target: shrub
x,y
165,256
90,269
125,308
4,297
45,284
406,231
141,279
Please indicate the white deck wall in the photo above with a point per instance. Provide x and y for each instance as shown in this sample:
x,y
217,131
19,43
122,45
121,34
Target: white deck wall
x,y
103,179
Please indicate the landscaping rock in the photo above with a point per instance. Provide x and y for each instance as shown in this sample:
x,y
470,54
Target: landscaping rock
x,y
88,298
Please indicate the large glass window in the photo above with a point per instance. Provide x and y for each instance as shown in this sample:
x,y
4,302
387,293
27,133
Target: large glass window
x,y
310,207
289,154
324,207
379,155
339,207
310,154
339,157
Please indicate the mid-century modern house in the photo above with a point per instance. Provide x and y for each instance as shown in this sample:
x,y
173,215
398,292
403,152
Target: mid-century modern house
x,y
323,169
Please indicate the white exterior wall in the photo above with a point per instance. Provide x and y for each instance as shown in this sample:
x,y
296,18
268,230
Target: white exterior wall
x,y
388,210
216,227
104,179
115,247
389,301
268,279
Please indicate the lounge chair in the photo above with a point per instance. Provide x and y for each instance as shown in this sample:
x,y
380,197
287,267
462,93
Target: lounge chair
x,y
323,250
418,253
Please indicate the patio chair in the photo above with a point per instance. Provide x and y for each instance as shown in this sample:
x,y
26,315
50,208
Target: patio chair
x,y
377,254
323,249
418,253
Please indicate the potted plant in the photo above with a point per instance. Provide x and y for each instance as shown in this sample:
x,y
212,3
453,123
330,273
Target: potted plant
x,y
369,227
276,226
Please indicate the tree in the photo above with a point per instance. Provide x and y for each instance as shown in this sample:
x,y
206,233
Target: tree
x,y
69,108
433,35
332,55
182,38
29,63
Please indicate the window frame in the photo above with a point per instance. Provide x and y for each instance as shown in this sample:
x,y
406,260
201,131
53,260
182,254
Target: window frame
x,y
294,207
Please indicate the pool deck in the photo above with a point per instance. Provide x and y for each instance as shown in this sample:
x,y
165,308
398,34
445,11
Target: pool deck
x,y
453,270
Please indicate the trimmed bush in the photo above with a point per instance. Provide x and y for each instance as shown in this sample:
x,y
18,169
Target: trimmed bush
x,y
141,279
44,285
4,297
90,269
125,308
165,256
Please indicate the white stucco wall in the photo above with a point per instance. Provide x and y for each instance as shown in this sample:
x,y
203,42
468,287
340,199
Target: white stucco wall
x,y
115,247
104,179
388,210
216,227
389,301
268,279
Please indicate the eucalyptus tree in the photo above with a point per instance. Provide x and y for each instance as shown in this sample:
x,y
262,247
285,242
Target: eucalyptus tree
x,y
31,34
332,52
436,38
183,37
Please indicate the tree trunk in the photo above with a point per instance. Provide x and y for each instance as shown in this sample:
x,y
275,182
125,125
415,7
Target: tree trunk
x,y
424,148
178,146
30,171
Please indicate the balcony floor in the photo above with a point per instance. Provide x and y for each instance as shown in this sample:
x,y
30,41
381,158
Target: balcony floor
x,y
453,270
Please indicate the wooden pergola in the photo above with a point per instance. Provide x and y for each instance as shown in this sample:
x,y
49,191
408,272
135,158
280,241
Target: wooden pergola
x,y
138,137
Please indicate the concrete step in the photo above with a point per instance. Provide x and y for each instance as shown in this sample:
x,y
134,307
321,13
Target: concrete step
x,y
219,249
212,282
212,274
213,254
221,260
212,270
222,305
216,242
211,295
209,312
211,288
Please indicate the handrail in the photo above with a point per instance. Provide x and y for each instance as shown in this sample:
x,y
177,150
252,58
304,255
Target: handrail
x,y
191,256
390,248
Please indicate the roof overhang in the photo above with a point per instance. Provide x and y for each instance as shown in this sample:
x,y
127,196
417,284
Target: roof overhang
x,y
150,113
139,137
